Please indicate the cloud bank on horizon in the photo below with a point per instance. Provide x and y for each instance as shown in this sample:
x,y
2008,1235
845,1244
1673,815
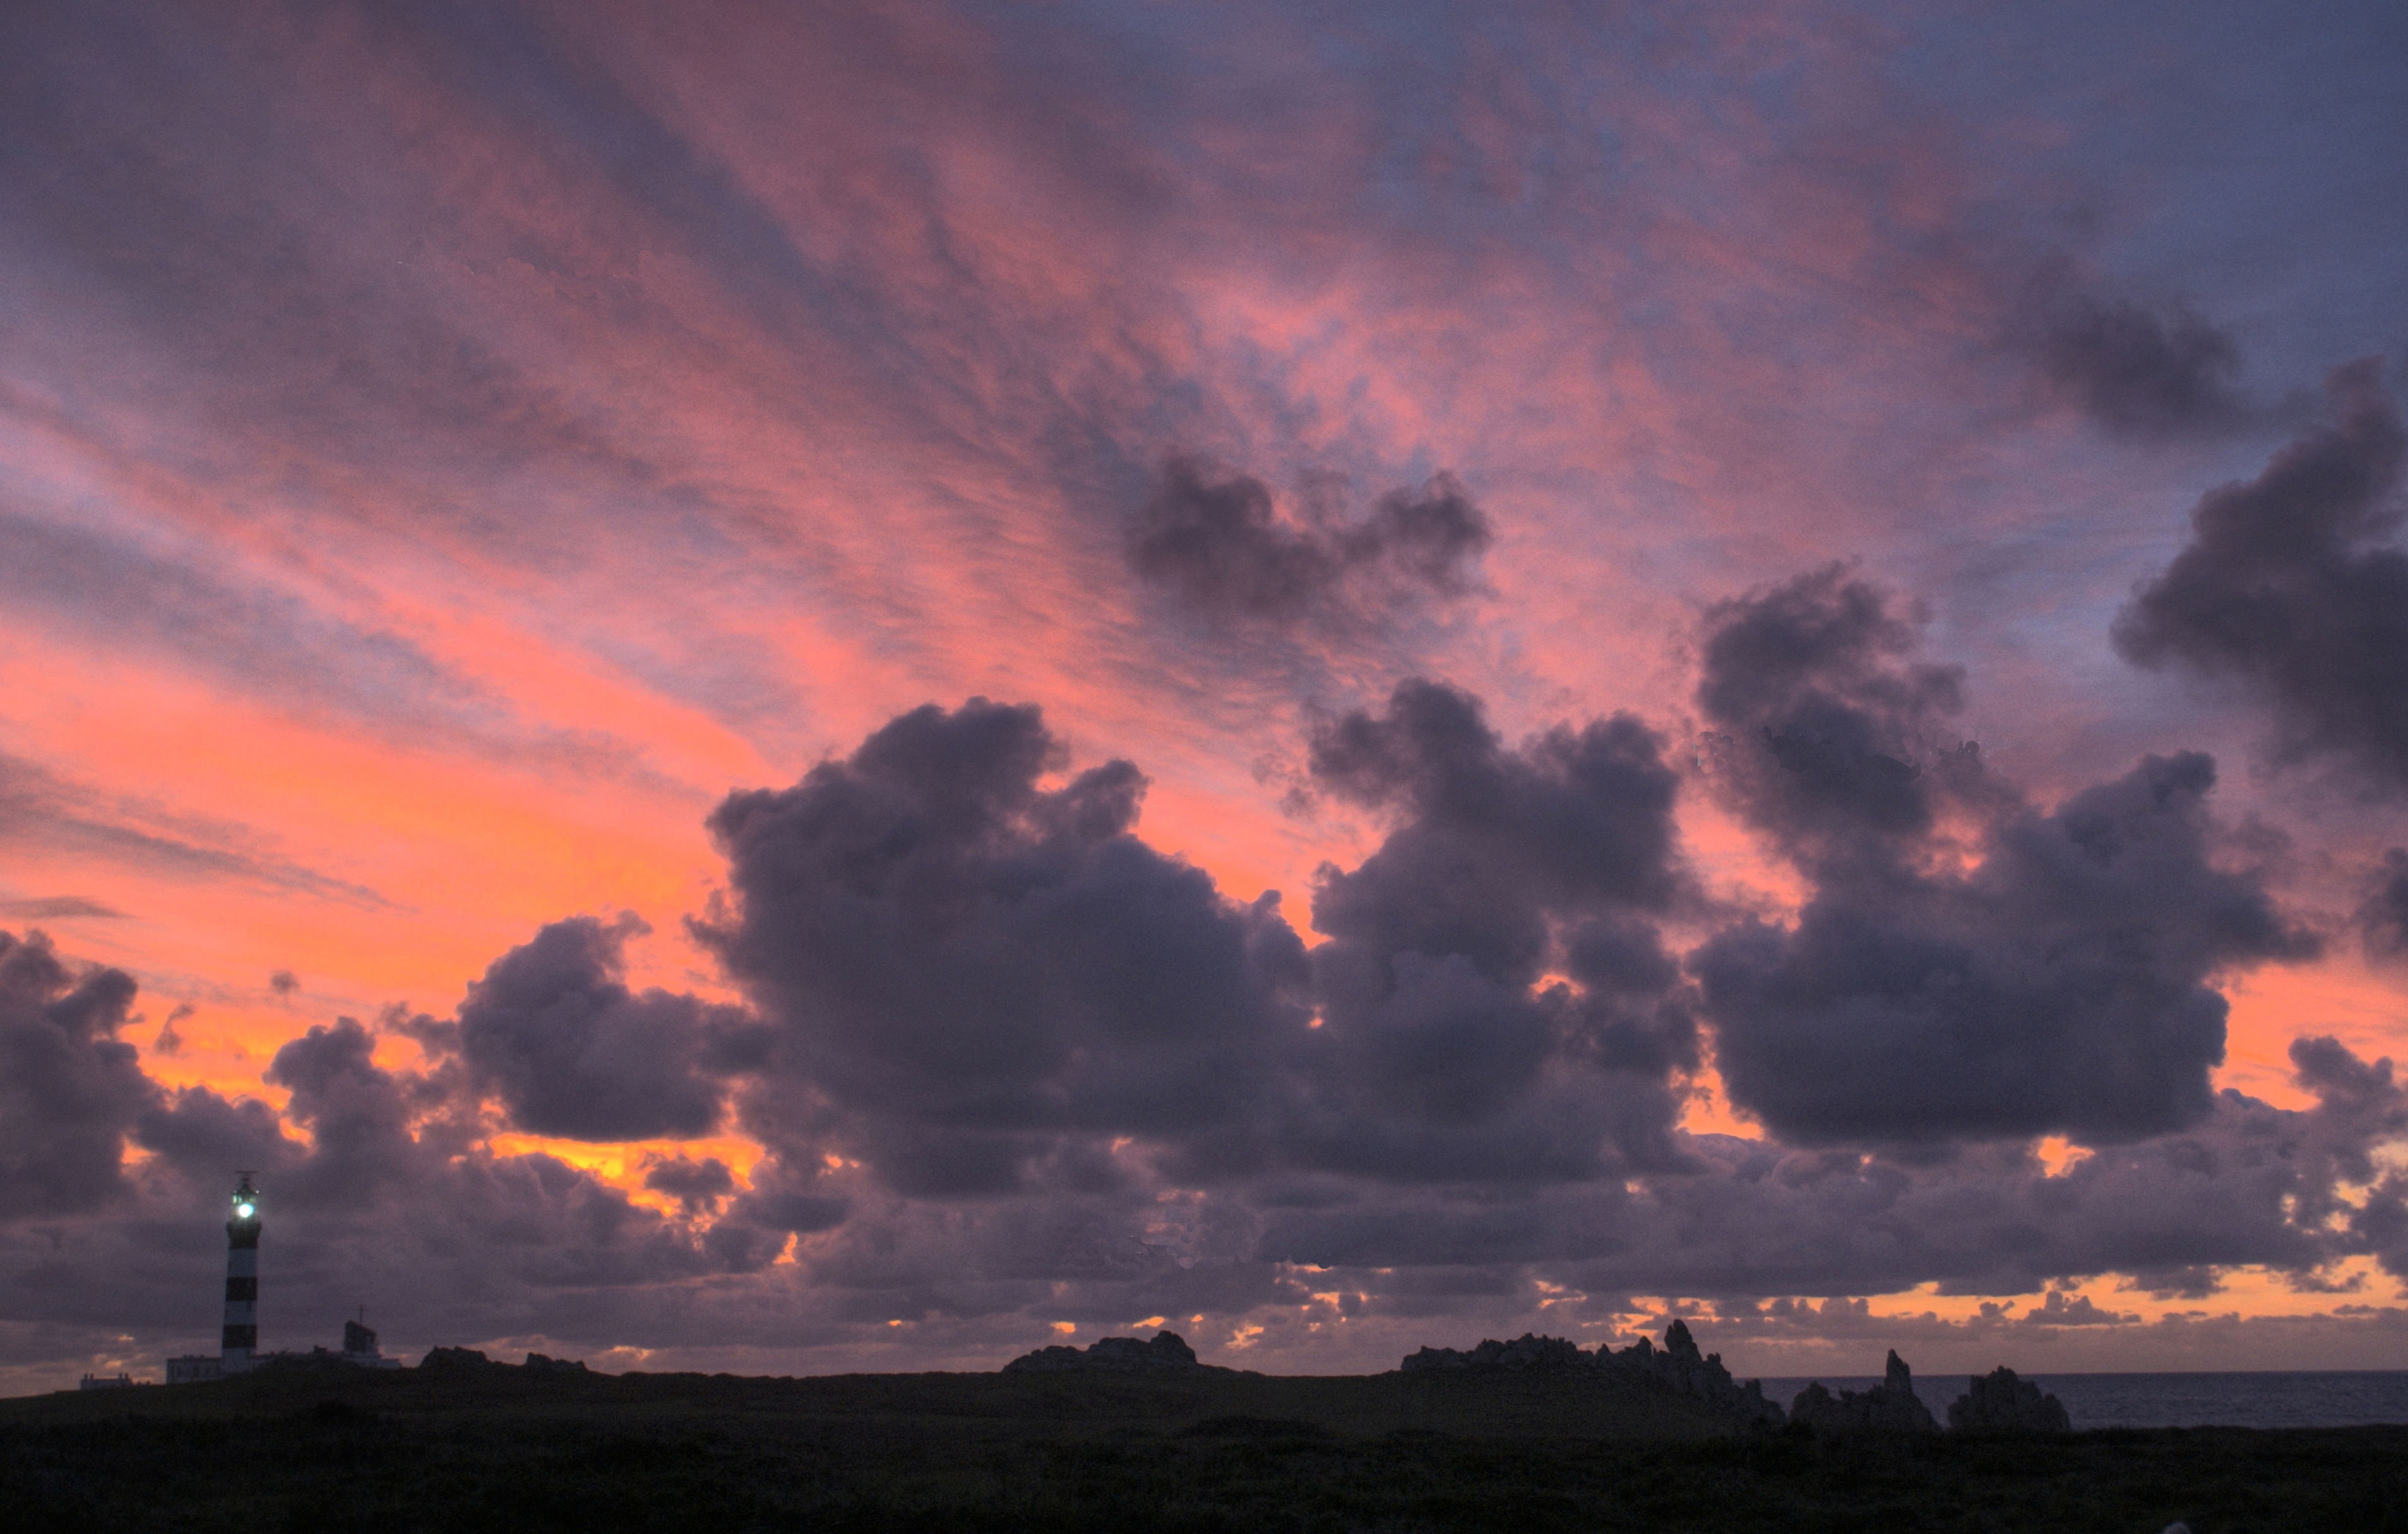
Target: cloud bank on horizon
x,y
1339,678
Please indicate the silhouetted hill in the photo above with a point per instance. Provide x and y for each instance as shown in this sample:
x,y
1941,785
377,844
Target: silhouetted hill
x,y
473,1447
1010,1407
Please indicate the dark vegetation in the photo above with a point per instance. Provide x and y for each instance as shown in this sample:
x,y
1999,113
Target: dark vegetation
x,y
506,1448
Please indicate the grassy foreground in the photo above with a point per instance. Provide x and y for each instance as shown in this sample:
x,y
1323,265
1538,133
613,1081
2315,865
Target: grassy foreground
x,y
520,1453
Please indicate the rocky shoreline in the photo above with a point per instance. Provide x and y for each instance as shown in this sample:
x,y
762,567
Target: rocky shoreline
x,y
1678,1367
1997,1403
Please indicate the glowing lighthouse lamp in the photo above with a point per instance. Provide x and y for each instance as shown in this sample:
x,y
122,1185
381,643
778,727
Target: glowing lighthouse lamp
x,y
240,1345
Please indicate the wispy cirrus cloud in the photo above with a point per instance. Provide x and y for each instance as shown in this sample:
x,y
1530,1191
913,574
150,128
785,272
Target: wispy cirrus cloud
x,y
55,908
37,807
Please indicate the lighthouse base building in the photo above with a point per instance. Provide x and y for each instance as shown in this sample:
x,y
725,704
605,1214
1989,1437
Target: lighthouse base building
x,y
360,1351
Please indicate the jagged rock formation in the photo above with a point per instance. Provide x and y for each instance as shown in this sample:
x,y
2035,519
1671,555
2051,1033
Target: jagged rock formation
x,y
470,1360
1110,1354
1525,1351
1678,1368
2000,1403
1889,1407
538,1363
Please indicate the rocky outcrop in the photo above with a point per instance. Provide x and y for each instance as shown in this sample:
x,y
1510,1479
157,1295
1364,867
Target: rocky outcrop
x,y
471,1360
538,1363
1166,1354
1681,1369
1526,1351
1889,1407
1678,1368
2000,1403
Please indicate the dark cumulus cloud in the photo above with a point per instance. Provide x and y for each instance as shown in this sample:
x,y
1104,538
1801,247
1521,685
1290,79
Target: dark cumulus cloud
x,y
984,973
70,1089
785,1196
1830,735
358,1115
1216,540
2289,589
201,1135
554,1030
1425,1200
698,1186
1442,1054
2248,1183
976,981
2149,372
2061,981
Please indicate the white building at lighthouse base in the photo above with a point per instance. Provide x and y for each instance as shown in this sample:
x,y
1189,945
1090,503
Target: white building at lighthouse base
x,y
360,1351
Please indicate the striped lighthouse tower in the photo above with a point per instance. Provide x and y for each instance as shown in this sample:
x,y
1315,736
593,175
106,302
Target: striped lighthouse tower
x,y
241,1341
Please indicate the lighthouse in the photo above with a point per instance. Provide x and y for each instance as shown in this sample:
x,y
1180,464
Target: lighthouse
x,y
239,1341
239,1346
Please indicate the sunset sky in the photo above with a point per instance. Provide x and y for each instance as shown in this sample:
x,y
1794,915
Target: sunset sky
x,y
803,687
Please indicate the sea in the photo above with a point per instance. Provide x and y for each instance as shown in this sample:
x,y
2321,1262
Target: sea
x,y
2269,1399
